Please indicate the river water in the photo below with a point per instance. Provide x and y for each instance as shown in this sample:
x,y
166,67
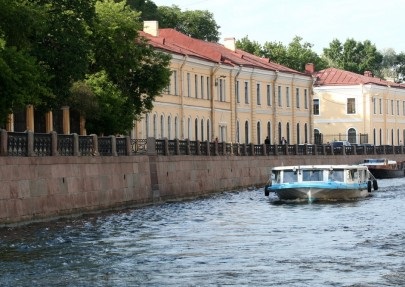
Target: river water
x,y
239,238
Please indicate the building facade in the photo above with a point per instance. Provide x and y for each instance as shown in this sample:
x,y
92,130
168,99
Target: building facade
x,y
358,108
220,92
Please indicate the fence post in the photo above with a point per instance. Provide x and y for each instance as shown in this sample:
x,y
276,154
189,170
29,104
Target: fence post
x,y
198,147
151,146
95,145
188,152
128,145
54,144
76,151
166,146
207,143
113,146
30,143
177,146
3,142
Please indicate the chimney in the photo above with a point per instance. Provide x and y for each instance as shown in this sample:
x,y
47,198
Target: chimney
x,y
151,28
230,44
309,68
368,74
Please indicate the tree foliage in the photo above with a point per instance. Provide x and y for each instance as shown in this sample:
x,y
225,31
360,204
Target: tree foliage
x,y
148,9
353,56
294,56
199,24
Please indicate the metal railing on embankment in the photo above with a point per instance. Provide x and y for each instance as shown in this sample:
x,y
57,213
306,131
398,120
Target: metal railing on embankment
x,y
53,144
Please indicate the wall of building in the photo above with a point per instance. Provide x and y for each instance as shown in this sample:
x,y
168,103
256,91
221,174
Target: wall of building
x,y
43,188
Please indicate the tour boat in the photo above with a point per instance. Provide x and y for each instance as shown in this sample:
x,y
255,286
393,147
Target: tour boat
x,y
385,168
321,182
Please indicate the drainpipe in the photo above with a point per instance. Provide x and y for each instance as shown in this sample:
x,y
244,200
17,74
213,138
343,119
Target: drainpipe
x,y
185,58
212,80
236,104
275,102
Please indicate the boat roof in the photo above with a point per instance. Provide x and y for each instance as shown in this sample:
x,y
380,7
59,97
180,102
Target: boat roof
x,y
379,160
324,166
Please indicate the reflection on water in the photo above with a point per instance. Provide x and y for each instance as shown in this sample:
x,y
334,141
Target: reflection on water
x,y
230,239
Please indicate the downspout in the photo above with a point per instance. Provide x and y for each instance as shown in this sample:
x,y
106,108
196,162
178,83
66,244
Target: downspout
x,y
185,58
236,104
275,102
212,79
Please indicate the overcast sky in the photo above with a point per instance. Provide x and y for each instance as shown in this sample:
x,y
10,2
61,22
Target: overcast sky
x,y
316,21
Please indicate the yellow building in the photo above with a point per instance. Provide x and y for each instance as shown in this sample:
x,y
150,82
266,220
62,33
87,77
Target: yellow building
x,y
358,108
218,91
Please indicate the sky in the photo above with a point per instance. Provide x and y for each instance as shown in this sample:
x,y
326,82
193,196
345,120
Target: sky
x,y
318,22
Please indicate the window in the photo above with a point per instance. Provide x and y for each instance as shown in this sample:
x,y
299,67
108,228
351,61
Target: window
x,y
351,105
403,108
280,103
202,87
306,99
196,85
374,105
392,107
297,95
222,90
176,92
398,108
188,85
268,91
287,96
380,103
316,106
258,95
208,88
246,93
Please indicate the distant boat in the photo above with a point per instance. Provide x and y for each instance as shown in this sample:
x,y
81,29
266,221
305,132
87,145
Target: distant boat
x,y
384,168
321,182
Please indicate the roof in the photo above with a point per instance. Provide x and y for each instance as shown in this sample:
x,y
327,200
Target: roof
x,y
337,77
175,42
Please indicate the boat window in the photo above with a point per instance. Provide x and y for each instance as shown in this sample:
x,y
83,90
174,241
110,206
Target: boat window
x,y
275,176
312,175
290,176
336,175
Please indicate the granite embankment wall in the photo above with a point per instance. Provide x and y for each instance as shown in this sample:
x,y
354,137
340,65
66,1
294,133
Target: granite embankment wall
x,y
44,188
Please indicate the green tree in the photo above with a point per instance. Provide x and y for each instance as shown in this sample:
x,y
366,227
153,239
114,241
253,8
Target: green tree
x,y
353,56
62,44
295,56
148,9
137,70
252,47
199,24
23,80
112,115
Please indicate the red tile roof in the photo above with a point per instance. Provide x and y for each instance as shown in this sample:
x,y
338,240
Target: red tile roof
x,y
337,77
173,41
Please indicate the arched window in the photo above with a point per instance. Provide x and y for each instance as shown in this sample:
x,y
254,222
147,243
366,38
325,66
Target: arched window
x,y
246,132
306,133
147,125
258,134
202,123
351,136
169,128
318,137
188,128
298,134
155,126
269,131
196,129
288,134
380,140
280,133
162,126
176,128
208,129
